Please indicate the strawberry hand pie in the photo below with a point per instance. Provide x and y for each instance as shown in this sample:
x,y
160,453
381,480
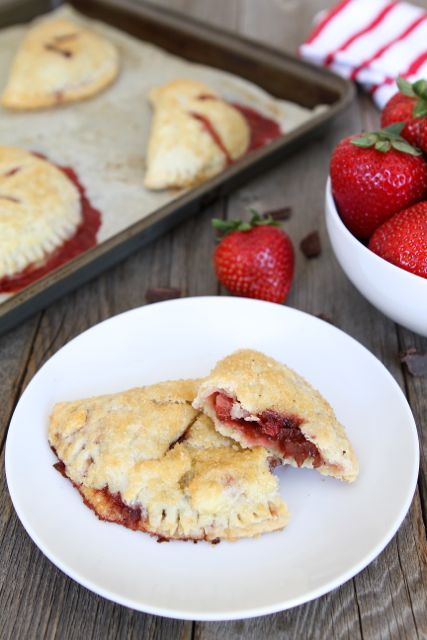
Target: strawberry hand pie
x,y
59,61
260,402
194,136
145,459
46,218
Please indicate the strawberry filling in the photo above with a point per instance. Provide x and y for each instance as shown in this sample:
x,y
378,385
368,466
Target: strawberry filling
x,y
263,130
270,429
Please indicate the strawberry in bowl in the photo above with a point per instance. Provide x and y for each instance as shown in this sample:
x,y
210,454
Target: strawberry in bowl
x,y
375,175
402,240
409,106
376,207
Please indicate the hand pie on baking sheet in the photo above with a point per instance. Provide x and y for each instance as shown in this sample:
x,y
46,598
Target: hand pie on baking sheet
x,y
260,402
144,458
40,208
194,135
58,62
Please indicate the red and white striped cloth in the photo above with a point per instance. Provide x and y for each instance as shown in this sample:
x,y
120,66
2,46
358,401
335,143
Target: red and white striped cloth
x,y
371,42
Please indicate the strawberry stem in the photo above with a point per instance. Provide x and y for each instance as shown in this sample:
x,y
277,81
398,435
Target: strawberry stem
x,y
416,90
386,139
227,226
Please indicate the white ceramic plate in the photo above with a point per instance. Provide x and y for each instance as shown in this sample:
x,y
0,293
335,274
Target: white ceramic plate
x,y
335,530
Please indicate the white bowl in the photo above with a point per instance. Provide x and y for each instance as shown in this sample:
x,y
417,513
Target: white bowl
x,y
400,295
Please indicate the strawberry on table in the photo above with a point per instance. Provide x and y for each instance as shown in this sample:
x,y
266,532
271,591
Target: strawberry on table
x,y
375,175
402,240
254,259
409,105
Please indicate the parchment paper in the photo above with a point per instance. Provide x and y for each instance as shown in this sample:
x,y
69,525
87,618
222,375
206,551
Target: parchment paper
x,y
104,138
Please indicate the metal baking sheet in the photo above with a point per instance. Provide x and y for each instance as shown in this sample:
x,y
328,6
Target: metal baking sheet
x,y
282,76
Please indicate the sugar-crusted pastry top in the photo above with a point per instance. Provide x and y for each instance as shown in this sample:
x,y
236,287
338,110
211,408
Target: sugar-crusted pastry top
x,y
40,208
100,439
260,383
202,435
167,464
59,61
182,151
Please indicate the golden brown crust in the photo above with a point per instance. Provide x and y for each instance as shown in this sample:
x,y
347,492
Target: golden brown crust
x,y
259,384
59,62
181,151
202,435
144,458
40,209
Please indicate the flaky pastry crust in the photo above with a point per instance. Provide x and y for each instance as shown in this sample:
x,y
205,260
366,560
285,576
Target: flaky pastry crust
x,y
181,150
40,209
257,384
59,61
146,459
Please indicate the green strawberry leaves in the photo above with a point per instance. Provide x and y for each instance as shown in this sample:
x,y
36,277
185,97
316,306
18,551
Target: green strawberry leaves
x,y
227,226
416,90
386,139
405,87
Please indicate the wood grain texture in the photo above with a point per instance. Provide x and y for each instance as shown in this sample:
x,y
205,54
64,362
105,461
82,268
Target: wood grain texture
x,y
386,600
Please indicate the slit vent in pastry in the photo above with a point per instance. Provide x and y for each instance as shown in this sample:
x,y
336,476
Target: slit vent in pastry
x,y
260,402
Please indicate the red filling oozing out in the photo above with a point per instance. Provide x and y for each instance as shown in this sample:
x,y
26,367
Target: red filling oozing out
x,y
273,430
83,239
263,130
118,511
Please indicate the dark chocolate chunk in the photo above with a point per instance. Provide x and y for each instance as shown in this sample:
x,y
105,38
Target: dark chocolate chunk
x,y
415,361
326,318
157,294
310,245
284,213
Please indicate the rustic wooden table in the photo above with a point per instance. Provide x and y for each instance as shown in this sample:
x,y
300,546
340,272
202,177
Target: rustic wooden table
x,y
389,598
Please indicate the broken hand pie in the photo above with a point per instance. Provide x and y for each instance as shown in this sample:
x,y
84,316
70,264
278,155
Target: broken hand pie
x,y
146,459
194,135
40,209
260,402
58,62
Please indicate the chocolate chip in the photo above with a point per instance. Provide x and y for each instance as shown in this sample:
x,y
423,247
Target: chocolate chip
x,y
310,245
284,213
326,318
157,294
415,361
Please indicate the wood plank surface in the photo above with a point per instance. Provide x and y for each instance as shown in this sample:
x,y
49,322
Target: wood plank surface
x,y
386,600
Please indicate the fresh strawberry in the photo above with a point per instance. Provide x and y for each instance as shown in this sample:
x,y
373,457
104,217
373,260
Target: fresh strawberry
x,y
422,136
254,259
408,105
402,240
373,176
